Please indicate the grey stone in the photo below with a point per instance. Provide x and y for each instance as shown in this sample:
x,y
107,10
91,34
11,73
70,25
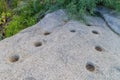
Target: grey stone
x,y
94,21
60,49
111,17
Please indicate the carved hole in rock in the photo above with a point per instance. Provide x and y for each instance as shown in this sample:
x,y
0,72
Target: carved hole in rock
x,y
14,58
95,32
88,24
65,21
90,67
72,31
98,48
38,44
46,33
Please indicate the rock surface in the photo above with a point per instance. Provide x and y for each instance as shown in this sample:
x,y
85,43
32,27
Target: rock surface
x,y
60,49
112,18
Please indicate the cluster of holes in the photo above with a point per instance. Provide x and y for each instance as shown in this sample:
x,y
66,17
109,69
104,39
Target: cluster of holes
x,y
97,48
38,44
90,67
14,58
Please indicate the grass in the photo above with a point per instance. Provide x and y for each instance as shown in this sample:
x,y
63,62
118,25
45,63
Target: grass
x,y
24,13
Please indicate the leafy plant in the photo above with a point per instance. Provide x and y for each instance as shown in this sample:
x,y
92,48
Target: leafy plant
x,y
27,12
18,23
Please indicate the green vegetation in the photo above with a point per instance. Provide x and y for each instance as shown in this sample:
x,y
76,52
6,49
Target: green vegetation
x,y
16,15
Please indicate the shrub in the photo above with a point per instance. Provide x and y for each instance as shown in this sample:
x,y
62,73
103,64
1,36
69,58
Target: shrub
x,y
18,23
28,12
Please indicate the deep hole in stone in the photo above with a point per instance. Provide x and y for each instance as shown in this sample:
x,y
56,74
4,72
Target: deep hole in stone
x,y
90,67
95,32
88,24
37,44
72,31
46,33
98,48
14,58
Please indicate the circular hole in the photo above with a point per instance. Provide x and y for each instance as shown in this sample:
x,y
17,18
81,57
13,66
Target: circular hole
x,y
72,31
95,32
98,48
65,21
37,44
46,33
90,67
14,58
88,24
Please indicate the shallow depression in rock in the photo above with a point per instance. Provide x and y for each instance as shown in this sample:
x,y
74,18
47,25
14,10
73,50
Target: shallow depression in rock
x,y
90,67
47,33
95,32
14,58
72,31
99,48
38,44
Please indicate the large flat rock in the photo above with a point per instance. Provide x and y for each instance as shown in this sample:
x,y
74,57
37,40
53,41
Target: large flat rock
x,y
60,49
